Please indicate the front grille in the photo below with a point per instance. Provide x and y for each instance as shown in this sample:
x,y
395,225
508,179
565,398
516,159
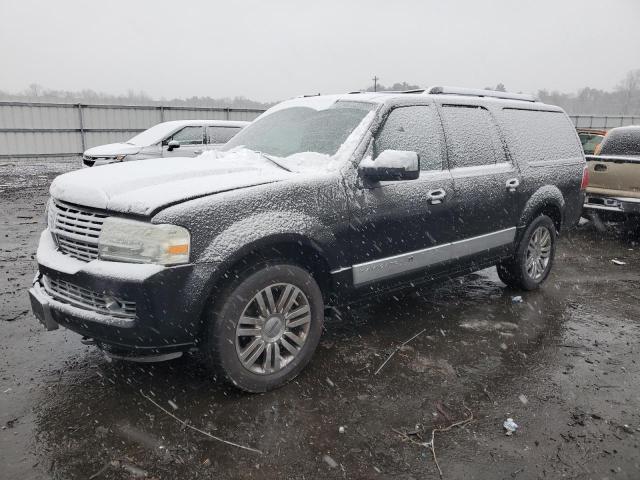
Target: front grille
x,y
86,299
76,229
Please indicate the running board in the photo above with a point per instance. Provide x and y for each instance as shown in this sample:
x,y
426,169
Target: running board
x,y
145,358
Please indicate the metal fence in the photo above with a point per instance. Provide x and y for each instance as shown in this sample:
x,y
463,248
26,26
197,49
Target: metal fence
x,y
68,129
604,122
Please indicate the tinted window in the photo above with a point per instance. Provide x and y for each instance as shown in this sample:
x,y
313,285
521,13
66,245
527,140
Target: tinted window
x,y
221,134
416,129
540,136
621,141
472,138
189,136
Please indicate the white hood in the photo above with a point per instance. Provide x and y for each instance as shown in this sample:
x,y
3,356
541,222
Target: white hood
x,y
145,186
113,149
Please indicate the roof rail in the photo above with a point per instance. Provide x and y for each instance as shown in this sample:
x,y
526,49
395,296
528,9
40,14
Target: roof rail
x,y
417,90
476,92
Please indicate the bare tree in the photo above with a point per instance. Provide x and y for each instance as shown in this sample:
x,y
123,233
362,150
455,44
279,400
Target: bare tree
x,y
629,87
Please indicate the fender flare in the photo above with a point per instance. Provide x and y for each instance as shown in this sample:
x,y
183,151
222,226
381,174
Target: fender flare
x,y
262,229
545,197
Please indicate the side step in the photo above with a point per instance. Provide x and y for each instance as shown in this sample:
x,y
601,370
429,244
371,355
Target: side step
x,y
145,358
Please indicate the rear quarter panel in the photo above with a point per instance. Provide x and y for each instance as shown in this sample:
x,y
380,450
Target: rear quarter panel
x,y
543,142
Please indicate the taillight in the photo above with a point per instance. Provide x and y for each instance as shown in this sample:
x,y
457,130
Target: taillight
x,y
585,178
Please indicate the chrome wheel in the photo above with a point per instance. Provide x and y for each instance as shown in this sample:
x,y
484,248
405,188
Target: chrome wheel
x,y
538,253
273,328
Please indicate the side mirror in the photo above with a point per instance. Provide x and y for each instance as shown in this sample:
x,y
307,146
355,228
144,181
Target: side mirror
x,y
391,165
173,144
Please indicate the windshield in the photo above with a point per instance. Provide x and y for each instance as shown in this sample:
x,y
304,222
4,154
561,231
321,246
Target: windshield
x,y
153,135
301,129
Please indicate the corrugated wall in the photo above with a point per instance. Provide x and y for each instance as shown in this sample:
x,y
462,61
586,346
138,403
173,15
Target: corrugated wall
x,y
59,129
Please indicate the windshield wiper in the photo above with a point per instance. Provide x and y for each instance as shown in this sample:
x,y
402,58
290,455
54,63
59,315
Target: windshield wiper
x,y
278,164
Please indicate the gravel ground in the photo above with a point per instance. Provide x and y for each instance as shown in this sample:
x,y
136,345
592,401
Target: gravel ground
x,y
563,364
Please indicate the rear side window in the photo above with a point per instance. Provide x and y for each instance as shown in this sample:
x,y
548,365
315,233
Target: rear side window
x,y
534,135
621,141
416,129
472,137
221,134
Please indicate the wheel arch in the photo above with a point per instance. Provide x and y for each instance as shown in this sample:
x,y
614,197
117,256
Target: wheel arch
x,y
547,200
297,248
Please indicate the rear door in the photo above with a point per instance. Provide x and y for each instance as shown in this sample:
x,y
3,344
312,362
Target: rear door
x,y
399,228
191,141
485,182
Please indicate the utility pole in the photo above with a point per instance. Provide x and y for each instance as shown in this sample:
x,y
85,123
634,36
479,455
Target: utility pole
x,y
375,83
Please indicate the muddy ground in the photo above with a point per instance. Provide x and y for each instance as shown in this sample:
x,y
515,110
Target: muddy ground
x,y
563,364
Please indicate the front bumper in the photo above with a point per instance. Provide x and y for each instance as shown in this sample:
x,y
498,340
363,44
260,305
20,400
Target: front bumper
x,y
624,205
164,304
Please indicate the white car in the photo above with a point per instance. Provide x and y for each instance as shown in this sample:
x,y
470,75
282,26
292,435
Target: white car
x,y
178,138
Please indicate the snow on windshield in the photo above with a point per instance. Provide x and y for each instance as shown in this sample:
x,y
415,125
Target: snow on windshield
x,y
301,134
154,134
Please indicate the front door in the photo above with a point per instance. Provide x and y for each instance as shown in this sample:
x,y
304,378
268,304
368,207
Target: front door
x,y
401,227
191,141
485,205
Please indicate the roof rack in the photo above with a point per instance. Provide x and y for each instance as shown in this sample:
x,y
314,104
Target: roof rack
x,y
475,92
417,90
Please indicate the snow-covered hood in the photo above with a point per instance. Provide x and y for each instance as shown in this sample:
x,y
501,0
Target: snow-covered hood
x,y
113,149
145,186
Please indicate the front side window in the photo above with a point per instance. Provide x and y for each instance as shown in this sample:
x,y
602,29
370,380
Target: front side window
x,y
189,136
217,135
472,137
416,129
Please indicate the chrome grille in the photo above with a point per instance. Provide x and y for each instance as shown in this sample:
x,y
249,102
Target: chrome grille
x,y
76,229
86,299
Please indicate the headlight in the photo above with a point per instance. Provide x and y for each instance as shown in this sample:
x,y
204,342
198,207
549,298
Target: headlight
x,y
123,240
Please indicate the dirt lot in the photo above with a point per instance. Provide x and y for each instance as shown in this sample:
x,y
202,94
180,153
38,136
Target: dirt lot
x,y
563,364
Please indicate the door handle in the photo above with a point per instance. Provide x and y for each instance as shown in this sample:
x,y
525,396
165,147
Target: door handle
x,y
600,167
512,184
436,196
198,152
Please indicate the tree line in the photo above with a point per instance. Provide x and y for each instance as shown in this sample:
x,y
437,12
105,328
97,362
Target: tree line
x,y
624,99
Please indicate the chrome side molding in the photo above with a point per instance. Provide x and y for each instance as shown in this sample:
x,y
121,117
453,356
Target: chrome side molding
x,y
391,266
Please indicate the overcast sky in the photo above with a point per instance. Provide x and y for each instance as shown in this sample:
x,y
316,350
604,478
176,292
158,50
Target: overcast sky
x,y
269,50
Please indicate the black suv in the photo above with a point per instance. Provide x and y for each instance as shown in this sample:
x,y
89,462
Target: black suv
x,y
319,201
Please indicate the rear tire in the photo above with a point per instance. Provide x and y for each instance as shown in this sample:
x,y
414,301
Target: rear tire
x,y
533,260
266,326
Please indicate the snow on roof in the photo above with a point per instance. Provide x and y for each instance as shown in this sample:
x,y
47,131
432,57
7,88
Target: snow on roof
x,y
221,123
321,102
161,130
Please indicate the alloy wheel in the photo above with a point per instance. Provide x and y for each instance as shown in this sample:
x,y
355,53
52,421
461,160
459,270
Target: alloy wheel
x,y
538,253
273,328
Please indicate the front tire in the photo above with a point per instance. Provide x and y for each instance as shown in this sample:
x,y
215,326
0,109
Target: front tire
x,y
533,260
266,327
